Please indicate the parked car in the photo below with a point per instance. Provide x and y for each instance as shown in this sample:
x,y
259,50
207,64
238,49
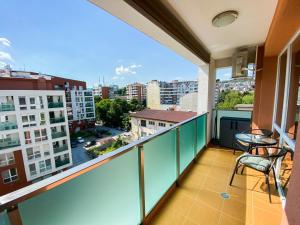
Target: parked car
x,y
80,140
73,144
90,143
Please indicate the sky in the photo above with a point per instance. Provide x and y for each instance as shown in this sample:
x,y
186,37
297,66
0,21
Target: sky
x,y
77,40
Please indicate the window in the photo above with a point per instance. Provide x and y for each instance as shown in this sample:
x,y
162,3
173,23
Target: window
x,y
40,135
33,153
32,118
151,123
45,165
143,134
161,124
27,137
22,103
7,159
9,175
32,169
42,119
143,123
25,119
46,150
41,102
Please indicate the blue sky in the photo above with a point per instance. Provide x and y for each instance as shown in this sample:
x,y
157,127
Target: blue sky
x,y
75,39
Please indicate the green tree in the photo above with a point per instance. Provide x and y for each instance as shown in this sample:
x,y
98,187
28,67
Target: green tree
x,y
102,109
126,122
135,105
248,98
97,99
230,100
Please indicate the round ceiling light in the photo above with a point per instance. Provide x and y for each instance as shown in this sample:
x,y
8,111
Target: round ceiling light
x,y
225,18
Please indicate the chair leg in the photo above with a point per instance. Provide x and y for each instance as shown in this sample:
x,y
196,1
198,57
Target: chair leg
x,y
242,170
234,172
274,174
268,184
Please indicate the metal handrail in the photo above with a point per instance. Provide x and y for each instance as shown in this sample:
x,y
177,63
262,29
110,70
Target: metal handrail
x,y
13,198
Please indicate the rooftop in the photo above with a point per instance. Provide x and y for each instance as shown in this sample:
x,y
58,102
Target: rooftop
x,y
163,115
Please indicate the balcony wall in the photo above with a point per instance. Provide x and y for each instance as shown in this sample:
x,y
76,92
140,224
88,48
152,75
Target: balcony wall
x,y
121,187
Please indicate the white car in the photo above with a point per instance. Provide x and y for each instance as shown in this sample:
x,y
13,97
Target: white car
x,y
80,140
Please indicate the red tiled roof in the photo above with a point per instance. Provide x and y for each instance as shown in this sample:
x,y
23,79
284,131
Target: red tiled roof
x,y
164,115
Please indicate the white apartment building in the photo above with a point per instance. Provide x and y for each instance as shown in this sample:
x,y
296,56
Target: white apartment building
x,y
136,91
80,105
162,95
35,123
148,121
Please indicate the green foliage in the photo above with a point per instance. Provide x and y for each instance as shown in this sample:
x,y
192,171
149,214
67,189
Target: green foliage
x,y
228,99
121,91
97,99
82,134
96,150
114,113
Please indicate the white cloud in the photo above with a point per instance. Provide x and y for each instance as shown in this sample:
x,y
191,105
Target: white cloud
x,y
5,56
122,70
4,41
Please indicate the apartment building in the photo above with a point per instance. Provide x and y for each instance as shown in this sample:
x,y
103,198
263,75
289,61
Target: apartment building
x,y
162,95
149,121
34,136
136,91
26,80
103,92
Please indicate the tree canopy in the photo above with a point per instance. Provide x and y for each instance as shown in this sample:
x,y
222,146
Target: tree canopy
x,y
228,99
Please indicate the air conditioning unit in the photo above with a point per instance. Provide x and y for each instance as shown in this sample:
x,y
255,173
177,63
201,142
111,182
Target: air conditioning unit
x,y
239,63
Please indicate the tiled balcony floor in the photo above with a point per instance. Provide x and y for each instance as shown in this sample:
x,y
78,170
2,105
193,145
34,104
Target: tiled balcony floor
x,y
198,199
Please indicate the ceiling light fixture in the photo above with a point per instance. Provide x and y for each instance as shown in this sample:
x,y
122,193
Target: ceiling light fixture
x,y
225,18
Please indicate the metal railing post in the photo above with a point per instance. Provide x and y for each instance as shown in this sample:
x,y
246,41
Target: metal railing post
x,y
141,182
177,155
196,138
14,216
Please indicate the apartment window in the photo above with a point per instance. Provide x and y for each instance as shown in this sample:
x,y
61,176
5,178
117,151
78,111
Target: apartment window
x,y
143,134
45,165
32,169
42,119
41,102
32,103
27,137
161,124
32,118
40,135
46,150
9,175
22,101
151,123
33,153
143,123
7,159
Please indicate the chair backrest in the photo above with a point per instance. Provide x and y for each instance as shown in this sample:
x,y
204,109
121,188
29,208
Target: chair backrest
x,y
262,132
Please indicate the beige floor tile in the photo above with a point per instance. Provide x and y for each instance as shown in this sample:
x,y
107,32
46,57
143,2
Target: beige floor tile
x,y
238,210
203,214
266,217
209,198
228,220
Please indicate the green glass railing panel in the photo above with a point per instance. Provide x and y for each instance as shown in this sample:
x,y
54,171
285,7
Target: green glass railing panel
x,y
159,167
55,104
58,134
108,194
8,126
57,120
6,107
201,132
60,149
187,144
4,220
8,143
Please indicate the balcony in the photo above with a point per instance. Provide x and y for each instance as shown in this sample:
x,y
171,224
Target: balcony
x,y
58,134
8,126
60,163
5,107
60,148
88,104
88,93
89,110
90,115
88,99
55,104
60,119
8,143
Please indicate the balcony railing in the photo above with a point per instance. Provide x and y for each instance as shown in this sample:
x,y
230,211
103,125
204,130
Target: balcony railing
x,y
133,178
88,104
7,107
8,126
89,110
55,104
90,115
57,120
9,143
88,94
88,99
60,148
58,134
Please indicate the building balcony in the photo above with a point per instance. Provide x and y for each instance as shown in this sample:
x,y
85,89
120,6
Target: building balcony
x,y
60,119
5,107
8,126
9,143
60,163
88,93
60,148
88,110
90,115
58,134
55,104
88,99
88,104
170,177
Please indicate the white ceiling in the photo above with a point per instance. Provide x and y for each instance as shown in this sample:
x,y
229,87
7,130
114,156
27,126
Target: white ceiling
x,y
251,27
